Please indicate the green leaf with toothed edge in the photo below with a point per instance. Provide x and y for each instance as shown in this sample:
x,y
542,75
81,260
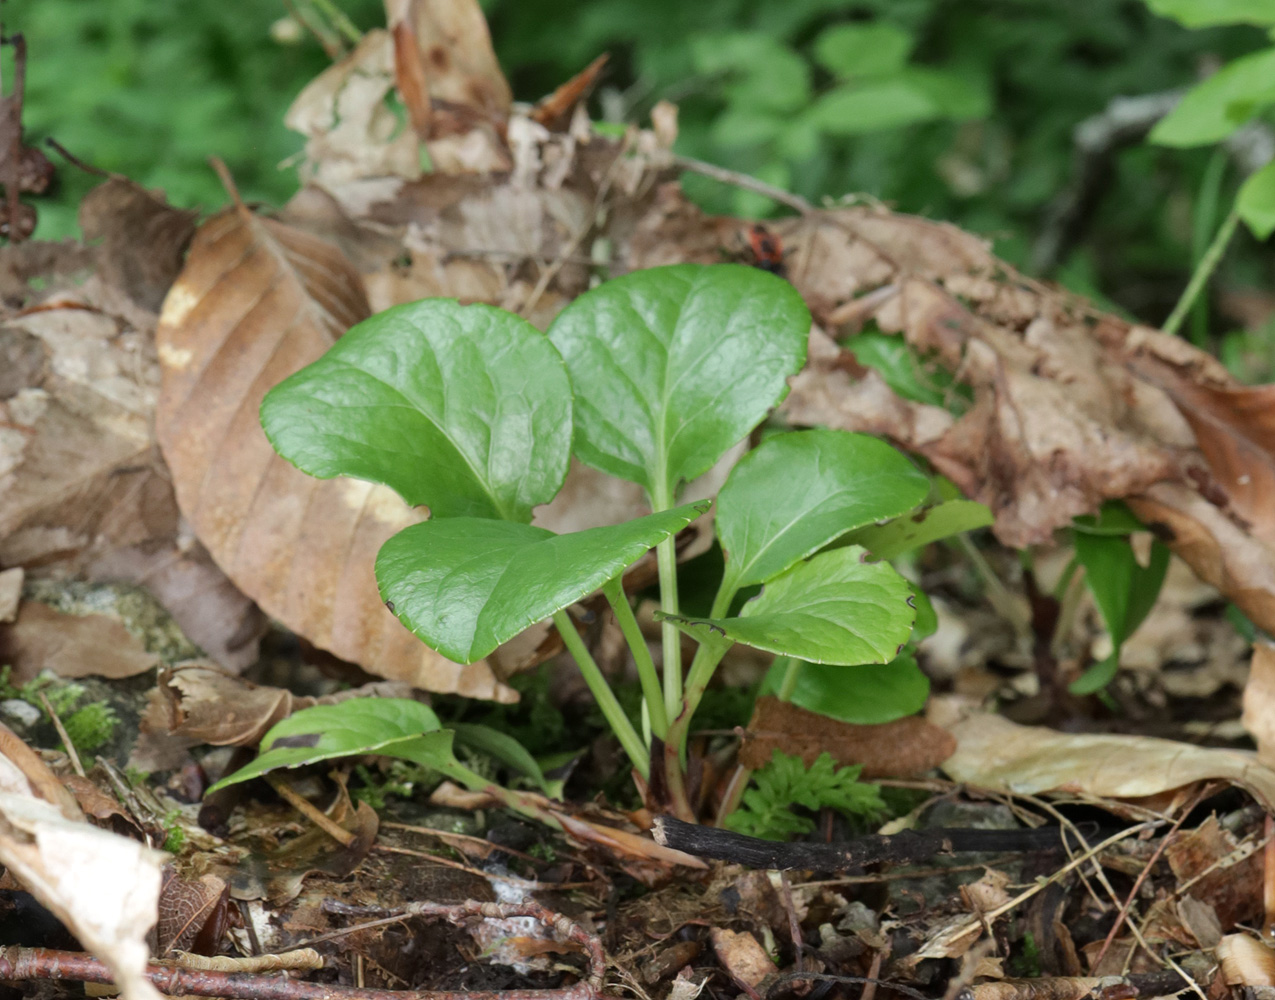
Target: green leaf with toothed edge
x,y
797,492
834,608
394,727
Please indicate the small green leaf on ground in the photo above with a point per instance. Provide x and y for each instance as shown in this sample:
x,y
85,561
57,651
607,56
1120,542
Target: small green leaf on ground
x,y
396,727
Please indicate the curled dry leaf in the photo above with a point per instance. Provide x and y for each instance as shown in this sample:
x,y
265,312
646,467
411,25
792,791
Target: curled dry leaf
x,y
103,887
208,705
1246,961
993,752
900,749
24,772
193,913
257,301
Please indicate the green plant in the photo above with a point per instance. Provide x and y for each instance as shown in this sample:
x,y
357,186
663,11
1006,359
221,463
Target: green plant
x,y
651,377
767,808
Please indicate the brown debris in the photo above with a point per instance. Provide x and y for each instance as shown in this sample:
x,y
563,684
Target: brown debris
x,y
901,749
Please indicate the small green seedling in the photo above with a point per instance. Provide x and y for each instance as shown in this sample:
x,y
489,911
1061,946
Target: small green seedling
x,y
652,377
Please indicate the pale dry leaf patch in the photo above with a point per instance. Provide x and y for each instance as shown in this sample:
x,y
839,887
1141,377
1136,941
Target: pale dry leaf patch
x,y
1259,701
102,886
992,752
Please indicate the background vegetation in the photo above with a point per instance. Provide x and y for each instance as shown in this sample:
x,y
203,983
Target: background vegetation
x,y
963,111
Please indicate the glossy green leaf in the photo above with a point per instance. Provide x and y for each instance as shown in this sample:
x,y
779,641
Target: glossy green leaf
x,y
466,409
927,619
864,695
834,608
1114,518
1206,13
877,48
1256,202
507,750
465,585
673,365
911,531
358,726
1216,107
797,492
1124,591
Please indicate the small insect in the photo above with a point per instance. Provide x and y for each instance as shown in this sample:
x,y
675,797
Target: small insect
x,y
766,248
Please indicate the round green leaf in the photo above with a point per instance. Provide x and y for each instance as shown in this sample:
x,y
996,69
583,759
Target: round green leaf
x,y
1256,202
873,49
797,492
1216,107
872,106
1206,13
911,531
358,726
834,608
863,695
466,409
465,585
673,365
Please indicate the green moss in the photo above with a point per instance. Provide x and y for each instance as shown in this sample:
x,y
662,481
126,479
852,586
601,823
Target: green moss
x,y
92,727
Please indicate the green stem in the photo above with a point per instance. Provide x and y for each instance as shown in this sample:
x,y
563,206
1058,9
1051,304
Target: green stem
x,y
1203,219
666,559
592,674
523,803
339,21
710,654
1064,581
647,674
1203,271
998,595
734,793
792,670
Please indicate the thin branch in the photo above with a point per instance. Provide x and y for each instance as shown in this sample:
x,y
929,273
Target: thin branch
x,y
743,181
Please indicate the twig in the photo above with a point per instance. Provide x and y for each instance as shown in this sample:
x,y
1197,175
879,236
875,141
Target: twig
x,y
1142,875
66,740
44,963
311,812
743,181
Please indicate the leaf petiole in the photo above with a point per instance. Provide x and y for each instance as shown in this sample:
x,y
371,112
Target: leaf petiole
x,y
592,674
666,560
650,679
792,670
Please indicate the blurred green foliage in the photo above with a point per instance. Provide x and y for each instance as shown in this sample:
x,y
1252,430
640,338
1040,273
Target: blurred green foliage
x,y
961,110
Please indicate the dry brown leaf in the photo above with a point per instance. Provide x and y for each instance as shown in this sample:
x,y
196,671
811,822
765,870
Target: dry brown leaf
x,y
1259,701
1210,858
103,887
24,772
1246,961
903,748
193,913
71,645
142,238
993,752
554,112
208,705
257,301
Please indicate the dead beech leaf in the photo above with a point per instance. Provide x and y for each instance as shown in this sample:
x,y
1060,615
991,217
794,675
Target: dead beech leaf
x,y
256,301
903,748
103,887
24,772
71,645
193,913
992,752
10,593
1259,702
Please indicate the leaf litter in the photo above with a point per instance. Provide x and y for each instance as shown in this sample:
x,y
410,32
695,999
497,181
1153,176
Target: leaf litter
x,y
130,451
